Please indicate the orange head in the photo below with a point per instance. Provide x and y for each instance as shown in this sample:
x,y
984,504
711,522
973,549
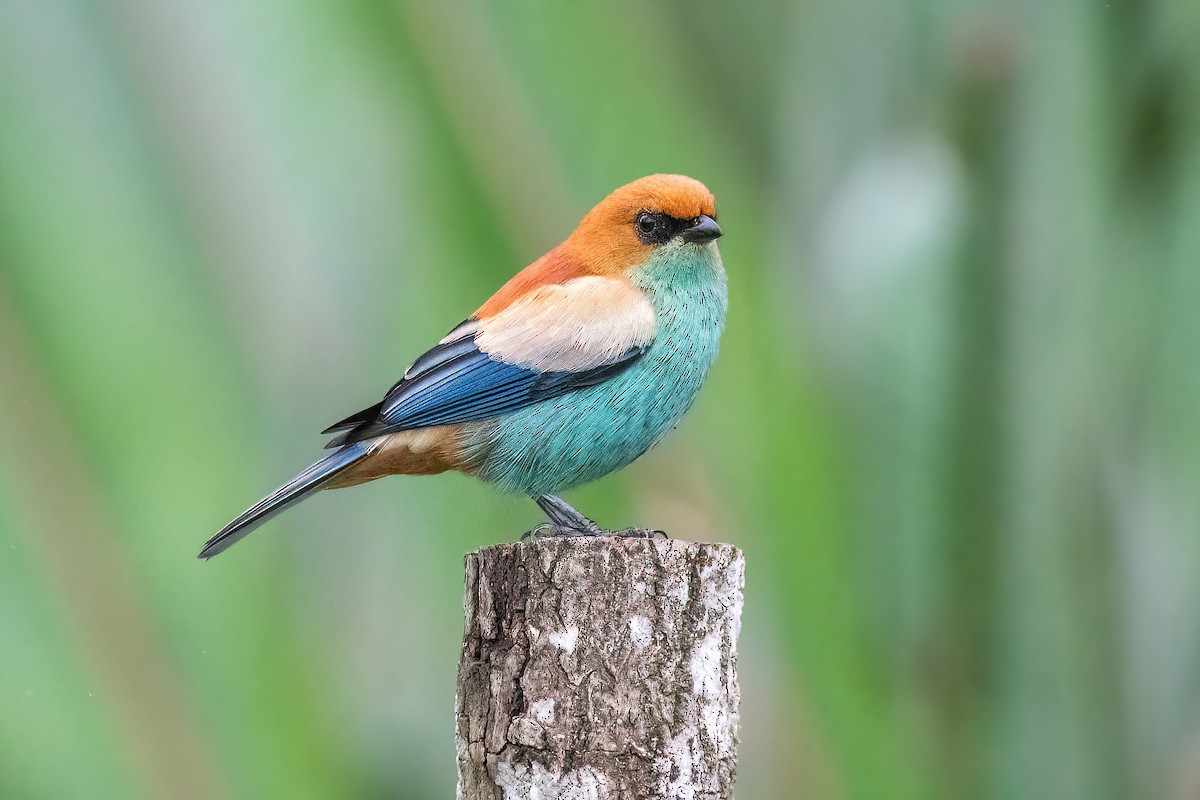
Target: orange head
x,y
625,228
621,233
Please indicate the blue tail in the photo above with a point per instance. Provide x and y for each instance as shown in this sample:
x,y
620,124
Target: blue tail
x,y
286,496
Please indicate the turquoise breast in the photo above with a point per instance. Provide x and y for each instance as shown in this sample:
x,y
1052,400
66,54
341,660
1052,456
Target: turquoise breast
x,y
582,436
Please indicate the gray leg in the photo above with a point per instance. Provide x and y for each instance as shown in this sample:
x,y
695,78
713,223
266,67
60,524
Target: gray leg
x,y
566,520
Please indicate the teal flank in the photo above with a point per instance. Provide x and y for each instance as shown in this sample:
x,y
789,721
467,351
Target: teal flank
x,y
571,440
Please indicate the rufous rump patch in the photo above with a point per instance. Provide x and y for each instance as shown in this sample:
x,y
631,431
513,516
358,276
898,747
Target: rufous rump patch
x,y
420,451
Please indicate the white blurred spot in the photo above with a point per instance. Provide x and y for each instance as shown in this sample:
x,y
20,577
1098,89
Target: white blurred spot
x,y
640,631
891,214
565,640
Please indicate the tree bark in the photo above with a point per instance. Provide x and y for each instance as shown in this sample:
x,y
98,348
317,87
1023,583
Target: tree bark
x,y
600,669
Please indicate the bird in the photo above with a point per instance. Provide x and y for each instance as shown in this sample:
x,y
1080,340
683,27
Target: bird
x,y
577,366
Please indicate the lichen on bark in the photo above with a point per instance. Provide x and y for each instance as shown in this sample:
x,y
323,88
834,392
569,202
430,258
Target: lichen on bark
x,y
598,669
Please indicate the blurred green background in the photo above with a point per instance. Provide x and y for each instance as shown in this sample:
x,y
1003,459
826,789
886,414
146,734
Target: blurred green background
x,y
954,422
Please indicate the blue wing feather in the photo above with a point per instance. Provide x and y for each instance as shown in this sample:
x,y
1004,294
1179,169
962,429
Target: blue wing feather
x,y
457,382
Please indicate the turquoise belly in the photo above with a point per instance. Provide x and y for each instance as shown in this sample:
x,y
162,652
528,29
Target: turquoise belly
x,y
577,438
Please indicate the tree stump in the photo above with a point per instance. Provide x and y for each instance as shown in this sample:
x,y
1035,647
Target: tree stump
x,y
600,669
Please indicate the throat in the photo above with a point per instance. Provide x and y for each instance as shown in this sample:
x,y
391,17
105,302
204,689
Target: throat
x,y
687,287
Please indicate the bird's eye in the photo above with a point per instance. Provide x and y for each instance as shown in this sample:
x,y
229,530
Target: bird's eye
x,y
652,228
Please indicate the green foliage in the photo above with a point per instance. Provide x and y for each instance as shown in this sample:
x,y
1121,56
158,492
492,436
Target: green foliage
x,y
953,423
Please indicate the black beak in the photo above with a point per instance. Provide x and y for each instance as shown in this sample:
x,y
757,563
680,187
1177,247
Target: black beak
x,y
704,230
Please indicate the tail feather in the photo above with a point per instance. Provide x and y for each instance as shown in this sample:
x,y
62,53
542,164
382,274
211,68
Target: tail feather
x,y
286,496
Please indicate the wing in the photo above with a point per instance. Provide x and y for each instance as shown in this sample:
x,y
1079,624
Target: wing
x,y
556,339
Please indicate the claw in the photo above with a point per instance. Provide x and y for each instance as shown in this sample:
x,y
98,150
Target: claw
x,y
566,521
641,533
548,530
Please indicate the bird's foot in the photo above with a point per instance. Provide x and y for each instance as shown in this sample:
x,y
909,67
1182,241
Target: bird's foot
x,y
566,521
548,530
638,533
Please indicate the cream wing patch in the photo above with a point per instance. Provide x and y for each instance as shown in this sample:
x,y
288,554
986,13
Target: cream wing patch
x,y
418,441
571,326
